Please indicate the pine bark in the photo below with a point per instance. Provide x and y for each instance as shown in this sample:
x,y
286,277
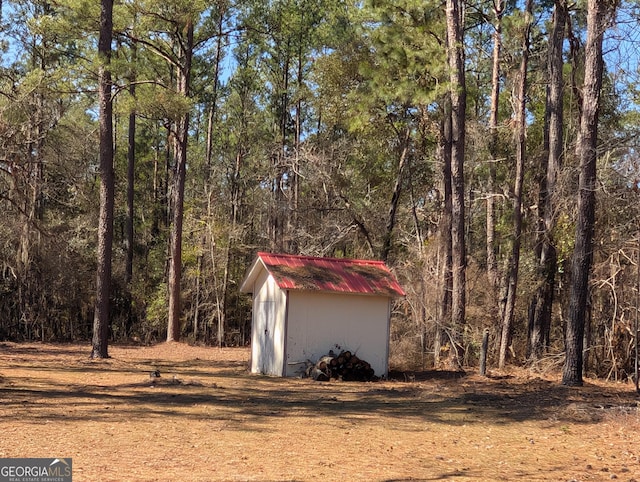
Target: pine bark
x,y
182,135
131,160
541,306
586,152
521,140
107,188
492,264
444,245
455,53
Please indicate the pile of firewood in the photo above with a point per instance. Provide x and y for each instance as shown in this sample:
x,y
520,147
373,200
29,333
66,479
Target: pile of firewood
x,y
346,366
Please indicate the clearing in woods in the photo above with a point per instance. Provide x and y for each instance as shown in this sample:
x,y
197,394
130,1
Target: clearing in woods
x,y
206,419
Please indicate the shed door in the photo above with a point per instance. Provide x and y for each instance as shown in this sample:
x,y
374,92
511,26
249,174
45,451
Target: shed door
x,y
267,322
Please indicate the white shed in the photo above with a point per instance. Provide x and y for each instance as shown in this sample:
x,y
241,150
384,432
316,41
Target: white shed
x,y
305,306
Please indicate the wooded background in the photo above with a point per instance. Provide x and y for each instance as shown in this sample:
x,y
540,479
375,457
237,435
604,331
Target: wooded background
x,y
461,142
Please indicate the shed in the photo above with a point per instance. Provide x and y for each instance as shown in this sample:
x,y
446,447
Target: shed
x,y
304,306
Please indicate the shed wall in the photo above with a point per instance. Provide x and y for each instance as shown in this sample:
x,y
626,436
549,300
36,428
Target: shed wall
x,y
268,327
317,322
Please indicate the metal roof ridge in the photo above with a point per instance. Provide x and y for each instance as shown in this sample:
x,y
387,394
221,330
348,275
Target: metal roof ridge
x,y
309,257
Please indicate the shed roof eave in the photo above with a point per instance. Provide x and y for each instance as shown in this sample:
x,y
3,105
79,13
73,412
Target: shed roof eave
x,y
247,285
346,293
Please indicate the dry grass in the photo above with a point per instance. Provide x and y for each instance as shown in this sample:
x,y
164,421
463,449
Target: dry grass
x,y
207,419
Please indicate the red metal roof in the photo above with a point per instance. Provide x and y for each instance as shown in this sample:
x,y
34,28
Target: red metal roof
x,y
331,274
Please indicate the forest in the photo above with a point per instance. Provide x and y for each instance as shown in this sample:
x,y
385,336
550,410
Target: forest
x,y
486,150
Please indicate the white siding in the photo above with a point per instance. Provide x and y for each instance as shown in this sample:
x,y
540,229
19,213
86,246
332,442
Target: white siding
x,y
317,322
268,327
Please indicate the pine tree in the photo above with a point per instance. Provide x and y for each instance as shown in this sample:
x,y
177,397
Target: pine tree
x,y
107,187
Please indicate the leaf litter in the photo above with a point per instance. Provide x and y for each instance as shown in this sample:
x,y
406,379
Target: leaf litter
x,y
178,412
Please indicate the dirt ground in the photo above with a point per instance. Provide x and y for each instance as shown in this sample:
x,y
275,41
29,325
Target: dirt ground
x,y
207,419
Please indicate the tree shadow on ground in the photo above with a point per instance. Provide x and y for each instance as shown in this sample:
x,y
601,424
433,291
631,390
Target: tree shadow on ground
x,y
224,390
45,350
425,375
245,399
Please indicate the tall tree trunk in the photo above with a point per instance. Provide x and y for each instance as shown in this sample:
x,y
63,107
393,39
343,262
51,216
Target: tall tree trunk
x,y
405,140
586,152
294,182
455,54
107,189
541,305
235,212
514,262
211,121
279,218
131,160
129,225
182,135
214,98
492,264
444,246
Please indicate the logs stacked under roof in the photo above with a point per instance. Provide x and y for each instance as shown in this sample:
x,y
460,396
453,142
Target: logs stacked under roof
x,y
346,366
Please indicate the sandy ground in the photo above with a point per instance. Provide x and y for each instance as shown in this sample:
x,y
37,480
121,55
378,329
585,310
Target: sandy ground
x,y
207,419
